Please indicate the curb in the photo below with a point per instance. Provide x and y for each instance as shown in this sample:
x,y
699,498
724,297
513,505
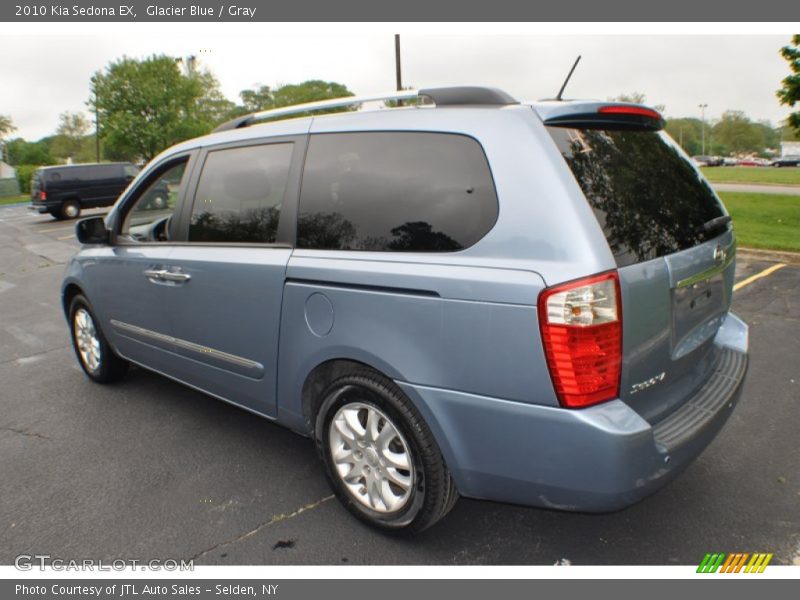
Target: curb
x,y
755,183
778,256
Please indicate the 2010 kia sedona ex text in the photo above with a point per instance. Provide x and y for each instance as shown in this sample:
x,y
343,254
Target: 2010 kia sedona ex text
x,y
524,302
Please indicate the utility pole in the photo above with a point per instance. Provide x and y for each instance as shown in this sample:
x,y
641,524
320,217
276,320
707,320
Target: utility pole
x,y
703,108
96,128
397,62
397,71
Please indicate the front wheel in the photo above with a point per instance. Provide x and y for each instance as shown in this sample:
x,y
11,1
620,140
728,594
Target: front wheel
x,y
381,458
95,355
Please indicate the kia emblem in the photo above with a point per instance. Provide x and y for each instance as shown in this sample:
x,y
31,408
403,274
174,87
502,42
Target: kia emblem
x,y
719,254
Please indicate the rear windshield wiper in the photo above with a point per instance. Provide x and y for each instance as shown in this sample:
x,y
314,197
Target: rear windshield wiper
x,y
715,223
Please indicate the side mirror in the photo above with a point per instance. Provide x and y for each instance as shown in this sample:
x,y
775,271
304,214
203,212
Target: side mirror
x,y
91,231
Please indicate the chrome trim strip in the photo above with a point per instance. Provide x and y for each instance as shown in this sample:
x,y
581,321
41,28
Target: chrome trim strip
x,y
186,345
710,272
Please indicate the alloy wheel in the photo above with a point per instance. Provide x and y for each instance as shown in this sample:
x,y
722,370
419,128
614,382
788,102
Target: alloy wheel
x,y
371,457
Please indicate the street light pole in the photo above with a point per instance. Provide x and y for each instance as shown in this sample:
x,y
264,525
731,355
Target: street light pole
x,y
703,108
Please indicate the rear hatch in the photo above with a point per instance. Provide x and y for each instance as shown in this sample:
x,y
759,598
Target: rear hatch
x,y
672,242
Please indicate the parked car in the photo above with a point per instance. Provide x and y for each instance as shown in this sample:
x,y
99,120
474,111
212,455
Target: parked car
x,y
65,190
708,161
786,161
527,303
753,162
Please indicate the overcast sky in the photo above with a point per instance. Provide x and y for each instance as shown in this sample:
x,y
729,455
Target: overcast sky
x,y
44,75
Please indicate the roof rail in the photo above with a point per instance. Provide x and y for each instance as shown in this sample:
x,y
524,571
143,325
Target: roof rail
x,y
449,96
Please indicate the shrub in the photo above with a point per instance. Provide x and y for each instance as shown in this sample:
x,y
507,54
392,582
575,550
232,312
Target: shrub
x,y
24,174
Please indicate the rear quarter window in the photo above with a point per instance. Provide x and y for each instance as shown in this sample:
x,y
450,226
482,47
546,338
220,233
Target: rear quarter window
x,y
395,192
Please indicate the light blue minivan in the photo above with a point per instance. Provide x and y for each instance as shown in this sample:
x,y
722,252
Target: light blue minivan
x,y
468,295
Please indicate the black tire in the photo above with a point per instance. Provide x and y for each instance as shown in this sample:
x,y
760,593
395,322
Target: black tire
x,y
110,366
70,209
433,493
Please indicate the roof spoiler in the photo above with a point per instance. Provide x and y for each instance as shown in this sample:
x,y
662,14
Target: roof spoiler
x,y
616,115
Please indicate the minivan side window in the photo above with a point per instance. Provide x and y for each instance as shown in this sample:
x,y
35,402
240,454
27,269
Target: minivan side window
x,y
240,194
395,192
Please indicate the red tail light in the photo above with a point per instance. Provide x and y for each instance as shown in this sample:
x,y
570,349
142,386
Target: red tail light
x,y
42,195
581,323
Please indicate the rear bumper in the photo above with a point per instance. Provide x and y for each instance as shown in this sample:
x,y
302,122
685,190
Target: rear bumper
x,y
44,207
597,459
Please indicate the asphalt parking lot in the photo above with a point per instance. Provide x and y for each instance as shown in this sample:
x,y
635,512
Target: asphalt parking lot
x,y
150,469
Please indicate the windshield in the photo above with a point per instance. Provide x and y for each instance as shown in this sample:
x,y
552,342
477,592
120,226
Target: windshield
x,y
649,200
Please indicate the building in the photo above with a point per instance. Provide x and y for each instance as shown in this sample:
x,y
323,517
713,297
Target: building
x,y
7,171
8,179
790,148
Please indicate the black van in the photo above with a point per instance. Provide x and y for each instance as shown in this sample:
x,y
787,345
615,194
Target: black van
x,y
64,190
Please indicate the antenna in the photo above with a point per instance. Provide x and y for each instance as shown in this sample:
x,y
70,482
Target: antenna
x,y
566,81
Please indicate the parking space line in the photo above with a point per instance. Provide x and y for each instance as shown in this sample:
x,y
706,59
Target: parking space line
x,y
53,230
765,273
66,237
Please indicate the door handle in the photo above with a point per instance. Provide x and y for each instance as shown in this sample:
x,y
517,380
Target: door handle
x,y
165,275
154,273
175,276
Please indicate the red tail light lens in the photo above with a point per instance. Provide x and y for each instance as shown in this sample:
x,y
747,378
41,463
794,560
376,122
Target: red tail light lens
x,y
42,196
581,323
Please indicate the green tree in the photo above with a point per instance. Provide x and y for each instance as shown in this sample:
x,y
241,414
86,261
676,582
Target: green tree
x,y
735,133
266,98
789,94
772,135
70,135
148,105
21,152
688,133
6,127
788,134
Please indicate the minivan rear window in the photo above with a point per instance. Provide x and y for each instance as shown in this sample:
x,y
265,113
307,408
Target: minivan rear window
x,y
647,197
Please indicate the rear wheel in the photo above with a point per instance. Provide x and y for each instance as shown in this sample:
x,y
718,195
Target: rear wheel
x,y
380,456
71,209
95,355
